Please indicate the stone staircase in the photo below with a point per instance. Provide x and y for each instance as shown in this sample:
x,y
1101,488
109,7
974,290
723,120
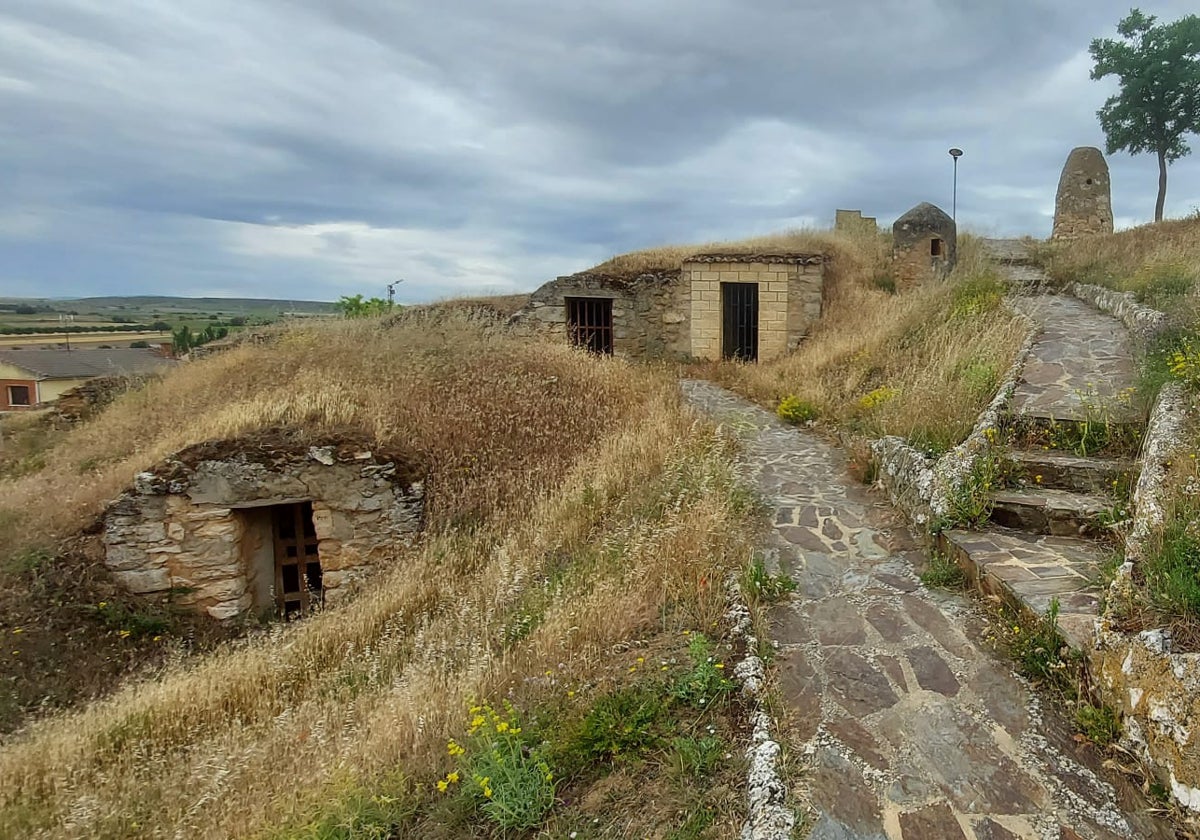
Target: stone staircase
x,y
1049,535
1051,524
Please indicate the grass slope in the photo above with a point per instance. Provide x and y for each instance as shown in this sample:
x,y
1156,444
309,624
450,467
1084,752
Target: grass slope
x,y
580,520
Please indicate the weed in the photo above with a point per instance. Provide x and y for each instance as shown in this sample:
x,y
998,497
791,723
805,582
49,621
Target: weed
x,y
510,781
977,295
698,821
697,757
705,683
877,397
1172,569
132,622
1099,723
980,376
970,502
27,561
884,282
359,814
1039,649
794,410
760,586
1105,427
943,573
621,725
1159,284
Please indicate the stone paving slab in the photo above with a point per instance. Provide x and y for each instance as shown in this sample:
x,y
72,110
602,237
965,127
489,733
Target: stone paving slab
x,y
1080,351
911,728
1045,510
1035,570
1066,471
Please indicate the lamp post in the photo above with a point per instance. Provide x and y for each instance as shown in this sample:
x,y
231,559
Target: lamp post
x,y
956,154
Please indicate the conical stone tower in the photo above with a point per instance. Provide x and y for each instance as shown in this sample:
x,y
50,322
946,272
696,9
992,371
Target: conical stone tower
x,y
1083,206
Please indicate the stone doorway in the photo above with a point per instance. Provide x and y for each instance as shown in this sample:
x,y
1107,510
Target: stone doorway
x,y
298,574
739,327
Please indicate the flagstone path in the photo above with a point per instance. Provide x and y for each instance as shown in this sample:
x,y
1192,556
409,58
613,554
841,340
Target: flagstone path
x,y
910,726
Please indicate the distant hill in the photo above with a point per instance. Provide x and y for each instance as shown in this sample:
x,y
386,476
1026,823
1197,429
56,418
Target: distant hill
x,y
177,304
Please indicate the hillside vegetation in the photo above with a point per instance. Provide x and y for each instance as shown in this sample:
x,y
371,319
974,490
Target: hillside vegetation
x,y
580,521
920,363
1160,263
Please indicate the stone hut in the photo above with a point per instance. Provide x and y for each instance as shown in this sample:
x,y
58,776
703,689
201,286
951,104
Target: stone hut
x,y
924,244
1083,205
262,525
737,305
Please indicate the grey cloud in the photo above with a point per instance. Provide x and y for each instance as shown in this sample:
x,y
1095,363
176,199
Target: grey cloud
x,y
314,148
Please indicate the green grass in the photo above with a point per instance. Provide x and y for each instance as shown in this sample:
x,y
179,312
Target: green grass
x,y
1172,571
943,573
1099,723
760,586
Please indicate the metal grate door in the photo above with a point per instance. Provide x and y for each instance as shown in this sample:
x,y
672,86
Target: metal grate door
x,y
298,586
590,323
739,324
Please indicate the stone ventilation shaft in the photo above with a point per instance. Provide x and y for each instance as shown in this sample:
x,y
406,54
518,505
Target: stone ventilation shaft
x,y
1083,206
924,243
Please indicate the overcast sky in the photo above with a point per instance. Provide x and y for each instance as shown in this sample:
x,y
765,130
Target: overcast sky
x,y
314,148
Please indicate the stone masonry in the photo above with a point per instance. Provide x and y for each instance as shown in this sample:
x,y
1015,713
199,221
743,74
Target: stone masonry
x,y
790,289
650,311
1083,205
198,524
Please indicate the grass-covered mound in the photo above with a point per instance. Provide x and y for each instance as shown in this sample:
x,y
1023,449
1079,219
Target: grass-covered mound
x,y
580,521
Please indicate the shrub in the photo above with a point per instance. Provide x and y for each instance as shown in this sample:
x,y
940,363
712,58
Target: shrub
x,y
761,586
977,295
622,724
1099,723
971,499
873,399
511,782
705,683
943,573
793,409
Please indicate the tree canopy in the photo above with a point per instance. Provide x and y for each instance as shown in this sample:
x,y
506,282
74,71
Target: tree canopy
x,y
355,306
1158,66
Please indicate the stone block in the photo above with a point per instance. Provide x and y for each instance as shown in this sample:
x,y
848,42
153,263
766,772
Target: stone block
x,y
144,581
176,531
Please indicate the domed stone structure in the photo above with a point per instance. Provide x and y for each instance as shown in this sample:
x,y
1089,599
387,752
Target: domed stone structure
x,y
1083,206
924,243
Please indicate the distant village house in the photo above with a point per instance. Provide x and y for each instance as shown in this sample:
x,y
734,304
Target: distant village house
x,y
31,378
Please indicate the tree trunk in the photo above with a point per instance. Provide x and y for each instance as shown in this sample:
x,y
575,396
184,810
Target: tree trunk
x,y
1162,186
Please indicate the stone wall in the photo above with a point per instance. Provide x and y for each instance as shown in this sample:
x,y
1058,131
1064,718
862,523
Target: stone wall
x,y
1145,323
854,222
196,525
1083,204
650,312
790,288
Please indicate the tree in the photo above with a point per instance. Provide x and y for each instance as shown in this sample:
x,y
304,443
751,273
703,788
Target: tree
x,y
354,306
183,340
1158,66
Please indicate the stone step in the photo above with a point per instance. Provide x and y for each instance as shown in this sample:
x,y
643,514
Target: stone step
x,y
1047,468
1031,571
1048,511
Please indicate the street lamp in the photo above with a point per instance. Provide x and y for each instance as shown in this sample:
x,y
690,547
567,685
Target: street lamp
x,y
392,292
956,154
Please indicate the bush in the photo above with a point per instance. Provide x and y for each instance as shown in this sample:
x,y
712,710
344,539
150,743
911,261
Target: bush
x,y
622,724
706,683
512,784
873,399
977,295
760,586
793,409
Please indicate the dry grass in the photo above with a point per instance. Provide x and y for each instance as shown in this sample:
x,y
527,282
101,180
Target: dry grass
x,y
437,390
851,253
920,364
569,469
1158,262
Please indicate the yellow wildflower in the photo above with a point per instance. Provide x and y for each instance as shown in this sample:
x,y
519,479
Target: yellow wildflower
x,y
502,727
452,778
442,785
454,748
